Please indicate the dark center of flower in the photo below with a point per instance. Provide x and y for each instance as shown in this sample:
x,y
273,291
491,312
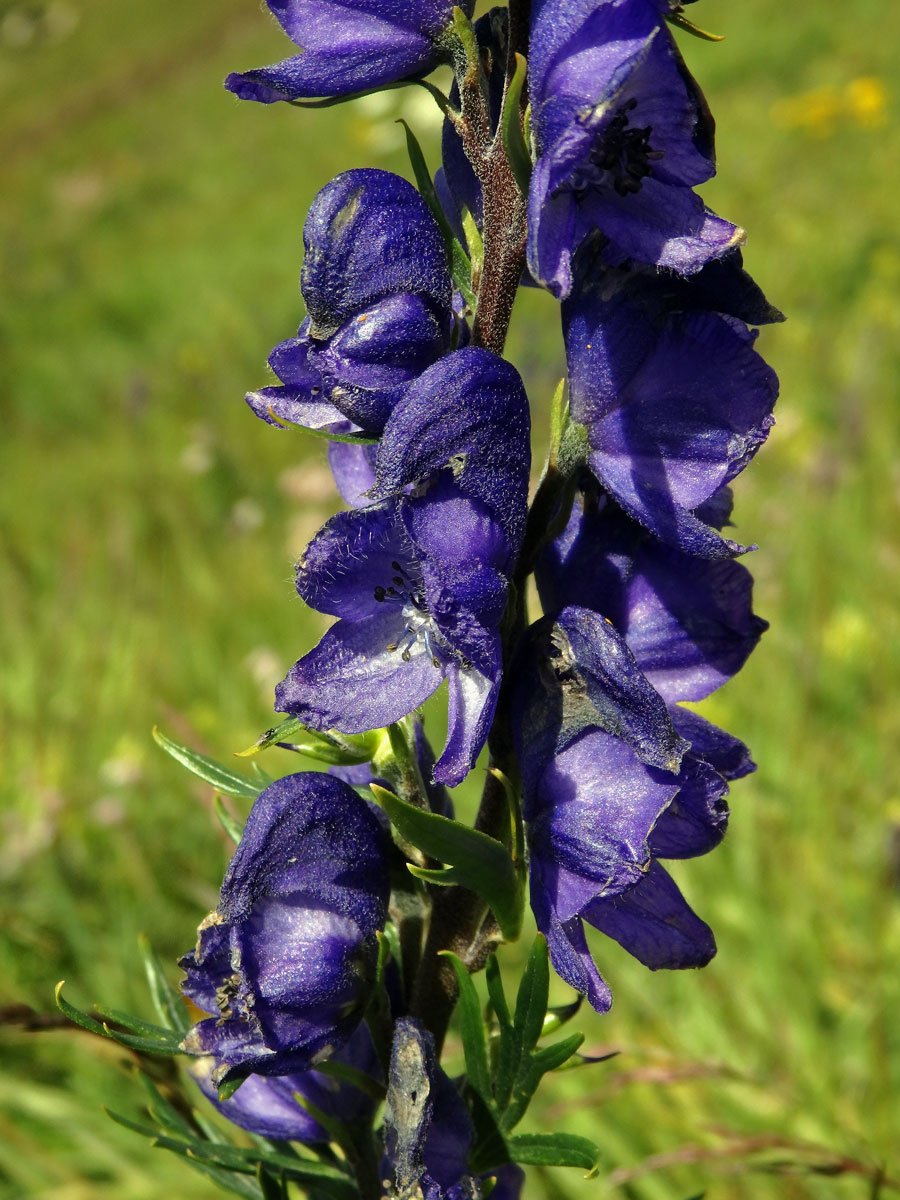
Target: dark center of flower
x,y
419,625
226,994
621,158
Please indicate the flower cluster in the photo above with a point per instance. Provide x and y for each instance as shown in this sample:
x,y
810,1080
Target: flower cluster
x,y
644,605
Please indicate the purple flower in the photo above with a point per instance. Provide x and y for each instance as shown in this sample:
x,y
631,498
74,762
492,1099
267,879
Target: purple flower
x,y
418,580
609,788
286,959
623,135
674,396
688,621
427,1131
265,1104
379,302
350,46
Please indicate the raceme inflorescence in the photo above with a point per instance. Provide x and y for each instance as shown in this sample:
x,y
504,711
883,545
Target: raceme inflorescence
x,y
357,909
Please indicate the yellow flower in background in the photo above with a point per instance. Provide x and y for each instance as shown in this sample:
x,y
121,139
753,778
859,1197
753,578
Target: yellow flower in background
x,y
818,112
867,99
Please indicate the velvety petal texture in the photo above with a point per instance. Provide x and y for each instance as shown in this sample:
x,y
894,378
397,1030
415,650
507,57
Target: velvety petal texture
x,y
623,136
419,578
609,787
574,672
286,959
468,412
688,621
675,401
380,302
349,46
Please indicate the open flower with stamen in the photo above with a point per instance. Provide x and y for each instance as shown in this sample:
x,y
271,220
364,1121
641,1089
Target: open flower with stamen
x,y
623,136
419,597
418,579
350,46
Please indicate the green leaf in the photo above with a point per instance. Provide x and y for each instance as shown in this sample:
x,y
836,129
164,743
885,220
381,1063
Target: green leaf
x,y
352,1075
236,1158
496,993
134,1024
534,992
341,749
162,1111
475,242
233,827
680,21
555,1150
208,769
559,416
471,1028
147,1131
238,1185
519,1069
443,877
483,864
559,1016
532,1069
489,1149
552,1057
227,1089
282,732
166,1043
145,1045
338,1131
460,267
166,999
271,1188
465,31
517,152
440,99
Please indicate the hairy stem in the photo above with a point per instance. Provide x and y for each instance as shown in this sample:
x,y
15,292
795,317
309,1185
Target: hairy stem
x,y
459,919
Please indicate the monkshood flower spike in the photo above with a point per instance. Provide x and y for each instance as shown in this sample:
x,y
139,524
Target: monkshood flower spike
x,y
379,302
350,46
286,961
359,904
419,579
623,136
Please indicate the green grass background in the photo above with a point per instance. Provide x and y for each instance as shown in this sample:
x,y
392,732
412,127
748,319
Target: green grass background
x,y
150,240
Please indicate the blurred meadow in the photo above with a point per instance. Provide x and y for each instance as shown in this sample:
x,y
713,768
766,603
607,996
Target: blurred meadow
x,y
150,239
